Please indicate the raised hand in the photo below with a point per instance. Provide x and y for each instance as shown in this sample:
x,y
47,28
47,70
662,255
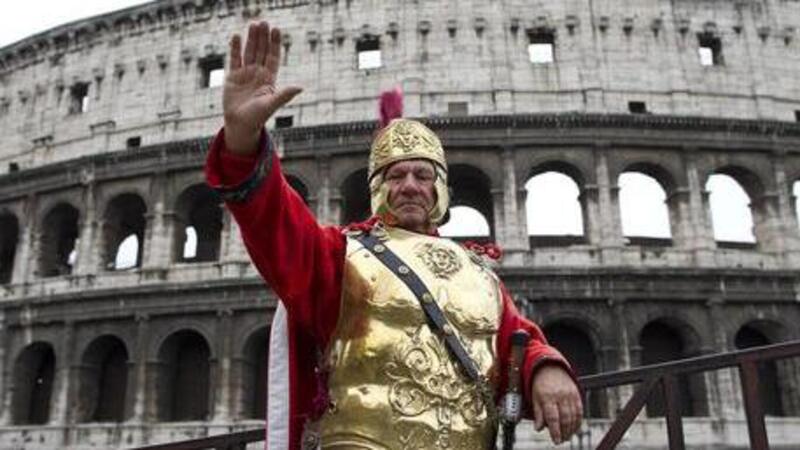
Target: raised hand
x,y
250,95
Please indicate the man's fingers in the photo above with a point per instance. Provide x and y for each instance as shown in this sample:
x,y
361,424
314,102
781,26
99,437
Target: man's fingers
x,y
263,43
251,45
235,60
538,417
566,415
551,416
274,55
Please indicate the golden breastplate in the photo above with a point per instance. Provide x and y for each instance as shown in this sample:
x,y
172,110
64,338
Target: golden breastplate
x,y
392,383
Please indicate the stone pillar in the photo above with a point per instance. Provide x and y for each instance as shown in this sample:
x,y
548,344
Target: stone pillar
x,y
223,398
62,381
515,231
725,396
790,231
336,206
498,217
5,373
767,226
700,214
90,245
138,386
324,194
608,214
157,246
629,355
24,263
680,217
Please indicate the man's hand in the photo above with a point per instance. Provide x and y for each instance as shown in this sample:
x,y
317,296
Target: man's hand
x,y
556,403
250,97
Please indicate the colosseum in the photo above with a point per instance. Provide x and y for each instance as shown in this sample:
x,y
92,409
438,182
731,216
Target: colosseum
x,y
130,314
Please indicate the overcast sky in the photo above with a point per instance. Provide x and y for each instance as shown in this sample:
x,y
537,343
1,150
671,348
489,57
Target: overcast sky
x,y
23,18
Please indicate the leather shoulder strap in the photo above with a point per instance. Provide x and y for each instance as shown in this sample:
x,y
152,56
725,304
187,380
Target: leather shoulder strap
x,y
436,318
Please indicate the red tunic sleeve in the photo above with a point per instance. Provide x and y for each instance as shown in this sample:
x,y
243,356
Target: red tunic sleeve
x,y
300,260
537,354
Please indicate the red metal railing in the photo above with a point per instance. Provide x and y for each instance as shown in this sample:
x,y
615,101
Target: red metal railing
x,y
658,376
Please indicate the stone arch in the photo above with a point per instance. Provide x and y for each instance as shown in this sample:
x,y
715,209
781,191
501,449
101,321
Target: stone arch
x,y
34,371
9,239
471,187
778,383
198,223
183,390
299,186
355,197
103,381
124,217
254,373
58,239
723,185
648,217
565,207
576,341
666,339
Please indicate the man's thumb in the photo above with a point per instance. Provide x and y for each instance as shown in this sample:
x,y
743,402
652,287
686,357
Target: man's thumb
x,y
282,97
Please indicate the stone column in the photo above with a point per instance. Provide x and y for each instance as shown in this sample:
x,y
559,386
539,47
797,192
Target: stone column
x,y
680,217
629,355
790,231
725,396
24,263
5,373
608,214
767,225
157,246
223,398
90,245
700,214
138,387
324,194
515,232
62,381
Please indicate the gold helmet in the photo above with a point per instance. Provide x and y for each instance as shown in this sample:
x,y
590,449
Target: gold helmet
x,y
402,140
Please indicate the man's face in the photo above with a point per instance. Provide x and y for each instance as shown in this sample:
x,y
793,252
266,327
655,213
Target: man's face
x,y
411,193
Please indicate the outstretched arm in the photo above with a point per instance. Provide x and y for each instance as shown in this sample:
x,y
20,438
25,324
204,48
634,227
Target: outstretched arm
x,y
300,260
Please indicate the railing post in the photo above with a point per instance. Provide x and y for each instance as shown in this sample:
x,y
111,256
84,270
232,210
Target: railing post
x,y
672,401
628,415
757,429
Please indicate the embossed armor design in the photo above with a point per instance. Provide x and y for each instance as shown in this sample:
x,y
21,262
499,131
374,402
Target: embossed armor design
x,y
392,383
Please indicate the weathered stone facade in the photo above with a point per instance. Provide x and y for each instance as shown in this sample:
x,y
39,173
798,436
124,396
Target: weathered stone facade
x,y
106,123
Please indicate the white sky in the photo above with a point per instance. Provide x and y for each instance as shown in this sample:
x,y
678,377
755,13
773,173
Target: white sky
x,y
642,204
23,18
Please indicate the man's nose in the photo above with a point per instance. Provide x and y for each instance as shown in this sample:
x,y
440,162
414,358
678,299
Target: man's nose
x,y
410,183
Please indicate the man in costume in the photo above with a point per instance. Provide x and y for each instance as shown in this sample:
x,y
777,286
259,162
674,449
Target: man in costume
x,y
366,364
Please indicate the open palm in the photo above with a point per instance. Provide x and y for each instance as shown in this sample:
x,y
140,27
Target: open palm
x,y
250,95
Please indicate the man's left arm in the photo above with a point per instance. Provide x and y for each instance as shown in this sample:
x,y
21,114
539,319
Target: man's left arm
x,y
551,394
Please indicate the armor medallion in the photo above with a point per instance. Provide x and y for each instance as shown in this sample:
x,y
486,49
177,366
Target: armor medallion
x,y
439,259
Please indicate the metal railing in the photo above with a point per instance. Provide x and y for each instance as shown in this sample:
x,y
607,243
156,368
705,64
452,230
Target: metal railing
x,y
658,376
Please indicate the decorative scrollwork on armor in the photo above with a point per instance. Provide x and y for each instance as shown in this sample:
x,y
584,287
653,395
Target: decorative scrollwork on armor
x,y
442,261
425,380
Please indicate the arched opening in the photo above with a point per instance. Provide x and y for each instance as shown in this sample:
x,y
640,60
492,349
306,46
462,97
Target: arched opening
x,y
465,222
660,343
553,209
579,350
254,375
123,232
183,379
471,196
198,211
769,384
643,209
731,214
103,381
299,187
356,198
34,370
9,236
58,238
